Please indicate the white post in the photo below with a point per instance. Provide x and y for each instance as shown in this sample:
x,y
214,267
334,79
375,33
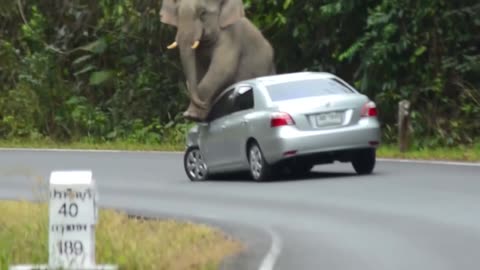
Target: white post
x,y
72,220
403,124
73,214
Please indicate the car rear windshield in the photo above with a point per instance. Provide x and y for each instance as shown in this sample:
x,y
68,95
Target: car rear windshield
x,y
306,89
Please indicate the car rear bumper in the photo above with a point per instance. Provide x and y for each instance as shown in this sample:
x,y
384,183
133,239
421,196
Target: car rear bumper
x,y
288,141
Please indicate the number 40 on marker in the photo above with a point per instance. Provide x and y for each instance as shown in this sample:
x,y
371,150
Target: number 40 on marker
x,y
72,210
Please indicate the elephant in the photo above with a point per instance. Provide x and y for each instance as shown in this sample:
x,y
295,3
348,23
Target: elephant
x,y
218,47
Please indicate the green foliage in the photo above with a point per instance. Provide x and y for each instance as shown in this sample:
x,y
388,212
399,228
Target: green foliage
x,y
427,52
88,68
100,70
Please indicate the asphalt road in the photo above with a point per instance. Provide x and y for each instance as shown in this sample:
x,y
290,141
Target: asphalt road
x,y
404,216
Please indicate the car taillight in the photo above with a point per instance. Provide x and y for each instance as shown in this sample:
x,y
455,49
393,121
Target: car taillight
x,y
369,110
281,119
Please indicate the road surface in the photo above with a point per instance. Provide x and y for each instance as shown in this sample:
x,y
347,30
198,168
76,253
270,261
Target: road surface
x,y
404,216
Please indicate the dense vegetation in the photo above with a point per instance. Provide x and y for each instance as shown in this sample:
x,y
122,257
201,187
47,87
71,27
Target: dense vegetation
x,y
100,68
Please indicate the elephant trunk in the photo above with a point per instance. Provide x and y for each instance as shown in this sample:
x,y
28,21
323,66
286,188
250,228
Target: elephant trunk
x,y
188,39
189,62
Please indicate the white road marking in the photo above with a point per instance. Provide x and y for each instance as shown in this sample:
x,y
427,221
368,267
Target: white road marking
x,y
434,162
271,257
87,150
420,161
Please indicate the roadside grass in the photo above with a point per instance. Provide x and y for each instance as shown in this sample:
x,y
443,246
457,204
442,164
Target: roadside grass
x,y
458,153
90,144
129,243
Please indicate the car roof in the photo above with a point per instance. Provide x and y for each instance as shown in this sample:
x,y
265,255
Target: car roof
x,y
275,79
288,77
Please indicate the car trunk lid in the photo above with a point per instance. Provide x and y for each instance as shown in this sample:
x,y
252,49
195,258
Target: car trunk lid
x,y
324,112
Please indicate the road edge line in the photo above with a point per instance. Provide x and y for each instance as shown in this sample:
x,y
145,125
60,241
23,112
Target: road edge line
x,y
272,255
86,150
400,160
431,162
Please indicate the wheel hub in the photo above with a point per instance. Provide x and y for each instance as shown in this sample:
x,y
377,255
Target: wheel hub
x,y
255,162
196,167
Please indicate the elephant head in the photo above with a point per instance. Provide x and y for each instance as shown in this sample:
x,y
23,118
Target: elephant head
x,y
199,20
198,24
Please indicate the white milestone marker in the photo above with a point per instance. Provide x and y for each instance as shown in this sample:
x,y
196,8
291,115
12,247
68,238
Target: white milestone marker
x,y
72,219
73,214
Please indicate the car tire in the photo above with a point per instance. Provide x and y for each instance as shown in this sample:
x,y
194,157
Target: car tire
x,y
195,167
260,170
363,161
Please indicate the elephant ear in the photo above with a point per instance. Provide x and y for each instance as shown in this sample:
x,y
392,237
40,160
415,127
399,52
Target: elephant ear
x,y
168,13
230,12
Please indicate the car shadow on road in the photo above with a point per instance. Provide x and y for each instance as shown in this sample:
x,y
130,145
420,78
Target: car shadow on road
x,y
311,176
317,175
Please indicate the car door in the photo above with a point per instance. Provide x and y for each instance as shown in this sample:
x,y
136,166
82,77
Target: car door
x,y
214,137
236,125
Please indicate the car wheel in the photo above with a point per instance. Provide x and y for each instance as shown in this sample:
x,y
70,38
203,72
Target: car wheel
x,y
195,166
363,161
260,170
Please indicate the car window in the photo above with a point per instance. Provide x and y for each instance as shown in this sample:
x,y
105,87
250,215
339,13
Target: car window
x,y
243,99
222,107
305,89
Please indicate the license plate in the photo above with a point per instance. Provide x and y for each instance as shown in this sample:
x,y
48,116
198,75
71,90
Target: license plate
x,y
328,119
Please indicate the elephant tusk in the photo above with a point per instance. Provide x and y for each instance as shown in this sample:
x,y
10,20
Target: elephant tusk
x,y
195,45
173,45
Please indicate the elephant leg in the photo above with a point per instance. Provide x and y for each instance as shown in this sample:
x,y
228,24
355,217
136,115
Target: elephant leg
x,y
220,73
194,99
196,109
195,112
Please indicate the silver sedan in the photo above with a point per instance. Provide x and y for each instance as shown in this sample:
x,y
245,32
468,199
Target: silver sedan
x,y
284,123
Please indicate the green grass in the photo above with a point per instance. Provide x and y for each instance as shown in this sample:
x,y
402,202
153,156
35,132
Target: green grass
x,y
459,153
129,243
90,144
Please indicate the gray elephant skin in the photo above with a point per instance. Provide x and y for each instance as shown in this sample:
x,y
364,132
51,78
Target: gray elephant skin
x,y
218,47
